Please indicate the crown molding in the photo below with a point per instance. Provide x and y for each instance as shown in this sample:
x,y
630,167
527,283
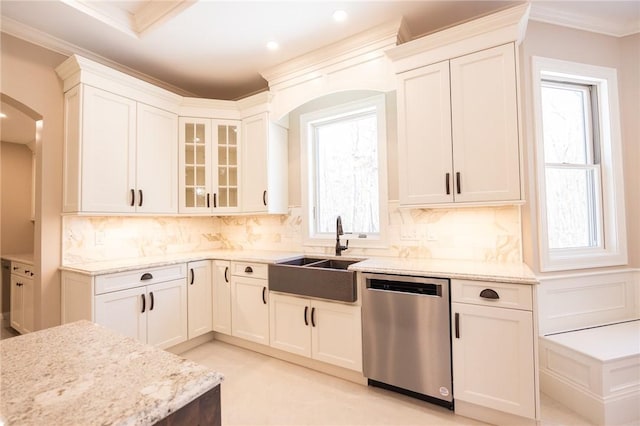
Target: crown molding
x,y
47,41
548,13
156,13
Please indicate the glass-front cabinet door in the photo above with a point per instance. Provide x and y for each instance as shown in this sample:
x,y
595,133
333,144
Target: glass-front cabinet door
x,y
227,197
209,168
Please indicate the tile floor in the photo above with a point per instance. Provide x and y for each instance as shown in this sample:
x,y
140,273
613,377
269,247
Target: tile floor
x,y
260,390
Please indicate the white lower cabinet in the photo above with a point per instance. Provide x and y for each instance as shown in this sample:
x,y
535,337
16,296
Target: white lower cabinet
x,y
22,297
250,309
493,347
155,314
199,297
325,331
221,296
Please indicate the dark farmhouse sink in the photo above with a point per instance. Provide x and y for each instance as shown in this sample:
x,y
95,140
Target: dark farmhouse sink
x,y
315,277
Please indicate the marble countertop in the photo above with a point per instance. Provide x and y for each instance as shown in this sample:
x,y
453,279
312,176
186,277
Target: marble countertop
x,y
459,269
21,257
85,374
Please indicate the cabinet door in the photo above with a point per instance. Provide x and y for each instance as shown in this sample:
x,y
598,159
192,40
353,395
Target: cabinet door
x,y
249,309
424,136
108,152
485,126
124,311
28,308
199,296
17,305
290,324
493,358
167,313
221,297
226,154
156,161
195,170
336,334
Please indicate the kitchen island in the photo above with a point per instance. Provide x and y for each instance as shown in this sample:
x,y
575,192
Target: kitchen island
x,y
83,373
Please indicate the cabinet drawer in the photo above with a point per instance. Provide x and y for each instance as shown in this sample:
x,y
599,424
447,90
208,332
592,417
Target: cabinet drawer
x,y
139,277
514,296
249,269
22,269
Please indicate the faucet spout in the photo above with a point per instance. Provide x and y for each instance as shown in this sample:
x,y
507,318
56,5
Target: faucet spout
x,y
339,247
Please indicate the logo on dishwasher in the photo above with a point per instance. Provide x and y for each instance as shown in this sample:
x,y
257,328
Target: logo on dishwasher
x,y
444,391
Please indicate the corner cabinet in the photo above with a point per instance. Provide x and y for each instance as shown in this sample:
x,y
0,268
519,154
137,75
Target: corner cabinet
x,y
458,130
265,163
131,143
493,347
209,165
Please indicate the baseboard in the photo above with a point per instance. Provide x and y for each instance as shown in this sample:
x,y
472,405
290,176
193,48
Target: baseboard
x,y
190,344
489,415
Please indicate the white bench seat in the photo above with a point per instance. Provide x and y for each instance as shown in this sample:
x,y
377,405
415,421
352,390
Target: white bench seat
x,y
595,371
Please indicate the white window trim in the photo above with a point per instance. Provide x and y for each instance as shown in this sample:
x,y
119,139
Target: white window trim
x,y
306,140
613,252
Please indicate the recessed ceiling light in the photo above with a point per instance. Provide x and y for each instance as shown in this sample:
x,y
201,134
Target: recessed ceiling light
x,y
272,45
3,115
340,16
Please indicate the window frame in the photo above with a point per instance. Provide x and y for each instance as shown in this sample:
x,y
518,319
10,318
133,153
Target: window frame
x,y
607,148
310,236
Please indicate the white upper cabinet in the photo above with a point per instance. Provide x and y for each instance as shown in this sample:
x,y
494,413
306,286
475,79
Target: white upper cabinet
x,y
209,167
484,113
458,130
120,155
264,164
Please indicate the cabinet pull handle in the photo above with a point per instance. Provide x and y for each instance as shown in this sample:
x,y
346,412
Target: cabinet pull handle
x,y
133,197
152,300
488,293
313,317
215,199
208,198
457,325
264,197
458,189
264,295
306,318
446,183
192,276
146,276
248,270
15,267
226,274
26,271
144,304
140,202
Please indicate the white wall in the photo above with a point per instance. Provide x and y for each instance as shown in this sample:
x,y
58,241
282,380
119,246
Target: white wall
x,y
15,191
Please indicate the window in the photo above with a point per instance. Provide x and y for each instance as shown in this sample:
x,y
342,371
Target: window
x,y
344,149
580,195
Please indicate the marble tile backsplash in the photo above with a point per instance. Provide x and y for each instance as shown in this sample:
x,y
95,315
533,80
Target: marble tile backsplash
x,y
491,234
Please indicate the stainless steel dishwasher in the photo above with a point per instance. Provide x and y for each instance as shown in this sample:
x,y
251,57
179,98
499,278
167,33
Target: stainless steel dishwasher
x,y
407,335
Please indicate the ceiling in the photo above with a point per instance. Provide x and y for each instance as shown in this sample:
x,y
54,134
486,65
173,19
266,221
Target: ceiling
x,y
217,49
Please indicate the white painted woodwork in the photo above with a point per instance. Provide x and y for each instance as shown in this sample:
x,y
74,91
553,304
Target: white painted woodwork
x,y
336,337
493,358
121,311
21,303
424,135
216,172
156,160
107,147
290,324
222,296
513,296
249,313
250,269
484,114
199,297
458,136
139,277
265,165
167,314
325,331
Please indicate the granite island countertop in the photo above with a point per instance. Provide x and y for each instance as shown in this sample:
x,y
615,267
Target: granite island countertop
x,y
85,374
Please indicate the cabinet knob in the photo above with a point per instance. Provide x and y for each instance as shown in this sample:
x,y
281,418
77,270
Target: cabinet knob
x,y
488,293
